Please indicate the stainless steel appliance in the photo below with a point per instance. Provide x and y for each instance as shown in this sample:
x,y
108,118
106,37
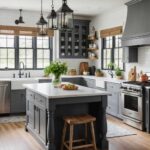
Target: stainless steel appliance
x,y
133,103
5,96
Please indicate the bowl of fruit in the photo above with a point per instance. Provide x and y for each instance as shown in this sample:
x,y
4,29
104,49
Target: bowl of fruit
x,y
69,87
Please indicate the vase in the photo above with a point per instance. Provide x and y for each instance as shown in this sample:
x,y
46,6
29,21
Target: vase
x,y
56,80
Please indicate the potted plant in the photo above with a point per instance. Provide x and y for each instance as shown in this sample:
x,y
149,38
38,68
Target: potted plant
x,y
56,68
98,73
118,73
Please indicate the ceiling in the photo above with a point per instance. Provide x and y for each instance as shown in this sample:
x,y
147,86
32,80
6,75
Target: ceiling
x,y
80,7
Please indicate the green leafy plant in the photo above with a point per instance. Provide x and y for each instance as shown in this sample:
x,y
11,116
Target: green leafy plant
x,y
111,66
118,72
56,68
98,70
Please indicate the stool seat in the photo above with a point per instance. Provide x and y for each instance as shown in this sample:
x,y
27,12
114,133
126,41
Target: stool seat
x,y
81,119
71,121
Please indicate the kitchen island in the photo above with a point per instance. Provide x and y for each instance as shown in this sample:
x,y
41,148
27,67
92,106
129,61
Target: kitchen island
x,y
46,106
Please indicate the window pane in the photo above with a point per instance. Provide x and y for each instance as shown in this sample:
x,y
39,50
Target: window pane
x,y
109,53
45,44
22,53
3,63
29,43
39,43
47,54
29,63
40,63
11,53
120,52
40,54
29,53
10,42
46,62
11,63
3,53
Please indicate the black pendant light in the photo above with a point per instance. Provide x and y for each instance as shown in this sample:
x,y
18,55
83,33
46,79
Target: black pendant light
x,y
20,20
42,23
65,17
52,18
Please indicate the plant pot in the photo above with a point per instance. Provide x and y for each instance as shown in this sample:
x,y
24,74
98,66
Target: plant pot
x,y
56,81
98,74
119,77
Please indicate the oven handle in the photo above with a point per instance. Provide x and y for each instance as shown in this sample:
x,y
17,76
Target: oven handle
x,y
125,117
139,95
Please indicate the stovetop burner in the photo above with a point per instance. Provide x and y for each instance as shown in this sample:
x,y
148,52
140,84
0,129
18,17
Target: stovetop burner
x,y
146,83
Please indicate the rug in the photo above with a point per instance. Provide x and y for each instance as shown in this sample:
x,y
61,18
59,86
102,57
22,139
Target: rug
x,y
117,131
9,119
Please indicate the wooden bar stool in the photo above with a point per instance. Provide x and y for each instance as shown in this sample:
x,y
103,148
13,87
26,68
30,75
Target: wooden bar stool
x,y
76,120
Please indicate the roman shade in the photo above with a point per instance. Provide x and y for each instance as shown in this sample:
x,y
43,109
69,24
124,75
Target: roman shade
x,y
18,30
111,31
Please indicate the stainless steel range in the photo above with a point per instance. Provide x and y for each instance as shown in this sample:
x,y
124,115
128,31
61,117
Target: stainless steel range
x,y
133,103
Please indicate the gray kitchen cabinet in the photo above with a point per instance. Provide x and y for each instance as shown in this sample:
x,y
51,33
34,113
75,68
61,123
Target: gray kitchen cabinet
x,y
74,44
18,101
114,101
36,111
130,54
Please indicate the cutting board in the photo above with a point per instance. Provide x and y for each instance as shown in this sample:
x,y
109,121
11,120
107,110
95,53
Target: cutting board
x,y
84,66
132,74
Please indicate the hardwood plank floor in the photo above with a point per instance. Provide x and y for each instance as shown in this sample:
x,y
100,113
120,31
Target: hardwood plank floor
x,y
14,137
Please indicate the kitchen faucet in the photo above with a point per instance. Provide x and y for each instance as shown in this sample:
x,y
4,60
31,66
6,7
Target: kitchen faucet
x,y
20,69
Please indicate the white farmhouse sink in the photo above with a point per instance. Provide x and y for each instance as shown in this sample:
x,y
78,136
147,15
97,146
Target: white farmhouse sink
x,y
17,84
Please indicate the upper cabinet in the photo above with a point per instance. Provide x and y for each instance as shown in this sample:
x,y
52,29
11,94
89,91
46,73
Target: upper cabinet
x,y
74,44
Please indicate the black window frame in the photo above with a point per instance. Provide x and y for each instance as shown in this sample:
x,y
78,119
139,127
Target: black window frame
x,y
34,47
112,52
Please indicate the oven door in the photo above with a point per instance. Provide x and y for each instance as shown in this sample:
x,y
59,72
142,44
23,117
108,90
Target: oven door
x,y
132,105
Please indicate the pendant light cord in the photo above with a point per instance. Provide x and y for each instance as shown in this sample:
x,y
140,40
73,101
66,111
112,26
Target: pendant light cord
x,y
41,7
52,4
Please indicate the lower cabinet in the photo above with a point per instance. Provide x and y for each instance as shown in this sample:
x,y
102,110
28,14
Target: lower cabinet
x,y
36,114
114,101
18,101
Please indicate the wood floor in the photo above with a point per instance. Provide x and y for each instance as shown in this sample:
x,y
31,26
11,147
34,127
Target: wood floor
x,y
13,137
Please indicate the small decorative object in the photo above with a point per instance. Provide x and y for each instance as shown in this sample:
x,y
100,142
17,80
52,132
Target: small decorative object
x,y
57,69
85,73
132,74
98,73
118,73
72,72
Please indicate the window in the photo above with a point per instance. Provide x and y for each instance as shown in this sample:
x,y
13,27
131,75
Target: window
x,y
43,52
7,52
112,51
26,51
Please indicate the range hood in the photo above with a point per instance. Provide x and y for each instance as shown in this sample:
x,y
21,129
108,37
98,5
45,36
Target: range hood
x,y
137,29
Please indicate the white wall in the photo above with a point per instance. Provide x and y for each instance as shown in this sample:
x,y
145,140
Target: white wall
x,y
114,18
7,17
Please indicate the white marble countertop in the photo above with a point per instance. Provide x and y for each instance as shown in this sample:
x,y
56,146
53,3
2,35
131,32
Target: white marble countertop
x,y
47,90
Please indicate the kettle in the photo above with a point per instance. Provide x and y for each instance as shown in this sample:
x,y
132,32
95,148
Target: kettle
x,y
144,78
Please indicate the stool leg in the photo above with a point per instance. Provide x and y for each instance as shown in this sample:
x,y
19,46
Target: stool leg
x,y
86,133
63,136
71,137
93,136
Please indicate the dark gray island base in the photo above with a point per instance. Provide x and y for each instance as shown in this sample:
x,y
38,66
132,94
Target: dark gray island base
x,y
45,115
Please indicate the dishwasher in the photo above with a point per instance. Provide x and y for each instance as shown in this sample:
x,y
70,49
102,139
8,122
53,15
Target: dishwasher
x,y
5,97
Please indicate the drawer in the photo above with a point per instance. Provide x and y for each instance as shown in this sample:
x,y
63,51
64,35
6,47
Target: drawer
x,y
30,95
40,100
